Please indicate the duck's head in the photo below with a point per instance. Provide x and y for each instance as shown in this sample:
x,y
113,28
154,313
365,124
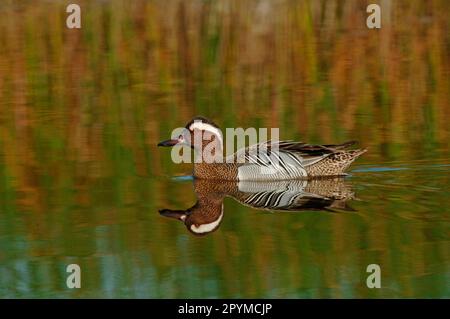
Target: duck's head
x,y
198,220
198,133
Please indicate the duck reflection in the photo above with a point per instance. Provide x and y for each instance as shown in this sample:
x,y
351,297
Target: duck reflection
x,y
206,215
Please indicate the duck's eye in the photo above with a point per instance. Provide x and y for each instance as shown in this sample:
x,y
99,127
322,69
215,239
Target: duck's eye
x,y
181,137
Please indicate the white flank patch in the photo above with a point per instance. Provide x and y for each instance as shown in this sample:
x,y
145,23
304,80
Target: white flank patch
x,y
199,125
295,185
206,228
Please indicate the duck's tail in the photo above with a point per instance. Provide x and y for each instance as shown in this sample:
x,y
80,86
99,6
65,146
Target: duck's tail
x,y
336,163
346,158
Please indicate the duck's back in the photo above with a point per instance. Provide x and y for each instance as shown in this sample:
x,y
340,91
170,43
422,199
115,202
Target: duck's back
x,y
294,160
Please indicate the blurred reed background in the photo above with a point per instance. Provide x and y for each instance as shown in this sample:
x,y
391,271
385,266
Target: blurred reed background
x,y
81,111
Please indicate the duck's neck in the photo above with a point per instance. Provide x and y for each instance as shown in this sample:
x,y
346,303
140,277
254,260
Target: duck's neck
x,y
210,164
209,154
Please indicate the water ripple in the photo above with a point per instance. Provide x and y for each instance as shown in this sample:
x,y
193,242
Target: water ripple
x,y
379,169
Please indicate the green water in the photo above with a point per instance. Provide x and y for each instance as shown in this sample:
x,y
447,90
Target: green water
x,y
82,181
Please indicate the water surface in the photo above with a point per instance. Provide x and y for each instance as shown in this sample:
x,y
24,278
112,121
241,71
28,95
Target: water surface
x,y
82,181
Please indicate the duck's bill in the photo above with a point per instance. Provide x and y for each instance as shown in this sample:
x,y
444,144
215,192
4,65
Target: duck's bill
x,y
168,143
177,214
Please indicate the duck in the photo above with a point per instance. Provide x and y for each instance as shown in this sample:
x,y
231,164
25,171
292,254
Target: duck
x,y
271,160
206,215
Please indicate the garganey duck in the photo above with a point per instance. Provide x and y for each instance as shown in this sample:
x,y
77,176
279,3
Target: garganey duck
x,y
266,161
331,194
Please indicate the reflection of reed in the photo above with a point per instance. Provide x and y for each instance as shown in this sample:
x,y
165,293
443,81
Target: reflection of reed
x,y
80,111
300,66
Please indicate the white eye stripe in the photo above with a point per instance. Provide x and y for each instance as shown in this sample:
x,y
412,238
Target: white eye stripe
x,y
207,127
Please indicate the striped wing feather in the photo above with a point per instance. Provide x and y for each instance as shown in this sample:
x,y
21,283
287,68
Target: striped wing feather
x,y
281,159
283,196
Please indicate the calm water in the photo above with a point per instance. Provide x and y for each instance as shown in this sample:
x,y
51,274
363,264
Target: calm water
x,y
82,181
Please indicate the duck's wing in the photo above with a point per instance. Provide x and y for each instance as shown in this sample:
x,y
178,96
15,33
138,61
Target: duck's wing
x,y
307,150
295,195
281,195
277,160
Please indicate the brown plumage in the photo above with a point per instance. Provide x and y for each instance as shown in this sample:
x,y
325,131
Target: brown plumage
x,y
266,161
